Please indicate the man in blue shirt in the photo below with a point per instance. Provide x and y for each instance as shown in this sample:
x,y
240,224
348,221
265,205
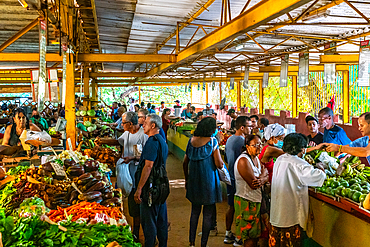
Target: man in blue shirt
x,y
208,111
359,147
233,149
153,217
332,133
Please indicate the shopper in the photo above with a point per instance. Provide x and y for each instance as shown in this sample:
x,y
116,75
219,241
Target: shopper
x,y
208,111
118,124
153,109
137,108
133,138
161,108
261,125
142,117
332,132
149,108
38,120
315,137
54,118
359,147
186,113
231,112
233,149
250,176
153,217
274,135
254,119
289,192
199,116
202,182
166,120
132,105
142,105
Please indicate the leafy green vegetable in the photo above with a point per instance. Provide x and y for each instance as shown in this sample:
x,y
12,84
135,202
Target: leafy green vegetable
x,y
17,170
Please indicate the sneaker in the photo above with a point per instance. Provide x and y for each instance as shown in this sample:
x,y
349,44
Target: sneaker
x,y
212,233
238,242
229,239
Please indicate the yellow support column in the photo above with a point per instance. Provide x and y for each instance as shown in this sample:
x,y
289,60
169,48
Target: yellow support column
x,y
239,95
294,97
94,93
207,93
346,90
260,111
70,106
86,88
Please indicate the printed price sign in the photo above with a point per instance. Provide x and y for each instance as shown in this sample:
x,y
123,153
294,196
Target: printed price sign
x,y
58,169
74,156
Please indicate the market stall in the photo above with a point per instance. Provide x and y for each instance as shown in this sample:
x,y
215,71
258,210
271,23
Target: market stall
x,y
67,201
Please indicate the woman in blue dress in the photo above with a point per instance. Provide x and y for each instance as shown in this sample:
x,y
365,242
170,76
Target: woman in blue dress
x,y
203,188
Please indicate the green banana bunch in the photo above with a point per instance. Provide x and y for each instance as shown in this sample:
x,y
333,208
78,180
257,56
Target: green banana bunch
x,y
348,171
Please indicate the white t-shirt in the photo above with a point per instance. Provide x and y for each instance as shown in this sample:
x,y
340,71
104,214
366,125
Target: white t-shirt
x,y
289,190
128,140
131,107
242,188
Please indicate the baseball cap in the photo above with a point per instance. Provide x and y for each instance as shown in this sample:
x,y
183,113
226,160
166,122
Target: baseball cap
x,y
177,101
230,111
208,105
310,118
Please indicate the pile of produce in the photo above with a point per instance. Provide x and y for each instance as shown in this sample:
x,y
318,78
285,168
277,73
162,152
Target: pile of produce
x,y
350,180
224,140
98,129
89,212
83,113
38,231
105,155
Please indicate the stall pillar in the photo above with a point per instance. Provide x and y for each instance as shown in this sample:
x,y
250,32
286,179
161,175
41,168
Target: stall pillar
x,y
294,97
86,87
346,89
260,111
239,95
139,95
207,93
70,100
94,92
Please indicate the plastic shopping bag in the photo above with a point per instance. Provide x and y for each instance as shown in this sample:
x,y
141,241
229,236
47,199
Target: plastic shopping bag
x,y
124,180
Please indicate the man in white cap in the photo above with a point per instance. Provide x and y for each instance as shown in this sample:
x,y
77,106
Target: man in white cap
x,y
208,111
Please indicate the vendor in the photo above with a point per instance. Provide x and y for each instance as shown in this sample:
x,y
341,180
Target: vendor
x,y
233,115
315,137
38,120
359,147
118,124
186,113
20,123
332,132
177,104
208,111
193,114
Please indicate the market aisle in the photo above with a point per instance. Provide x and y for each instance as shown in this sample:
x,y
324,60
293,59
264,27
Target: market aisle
x,y
179,210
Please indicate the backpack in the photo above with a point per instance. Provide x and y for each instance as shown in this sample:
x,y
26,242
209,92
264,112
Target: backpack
x,y
157,187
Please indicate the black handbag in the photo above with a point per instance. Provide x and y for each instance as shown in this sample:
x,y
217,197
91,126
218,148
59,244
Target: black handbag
x,y
157,187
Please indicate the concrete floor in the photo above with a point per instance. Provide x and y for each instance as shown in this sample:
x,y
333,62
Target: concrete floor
x,y
179,209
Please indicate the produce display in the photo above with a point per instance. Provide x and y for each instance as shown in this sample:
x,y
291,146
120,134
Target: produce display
x,y
61,203
104,154
350,180
36,231
87,212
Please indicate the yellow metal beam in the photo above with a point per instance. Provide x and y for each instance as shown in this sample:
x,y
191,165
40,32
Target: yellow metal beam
x,y
313,68
247,21
295,97
86,80
258,75
127,58
119,74
340,59
239,95
91,58
346,98
19,34
70,107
